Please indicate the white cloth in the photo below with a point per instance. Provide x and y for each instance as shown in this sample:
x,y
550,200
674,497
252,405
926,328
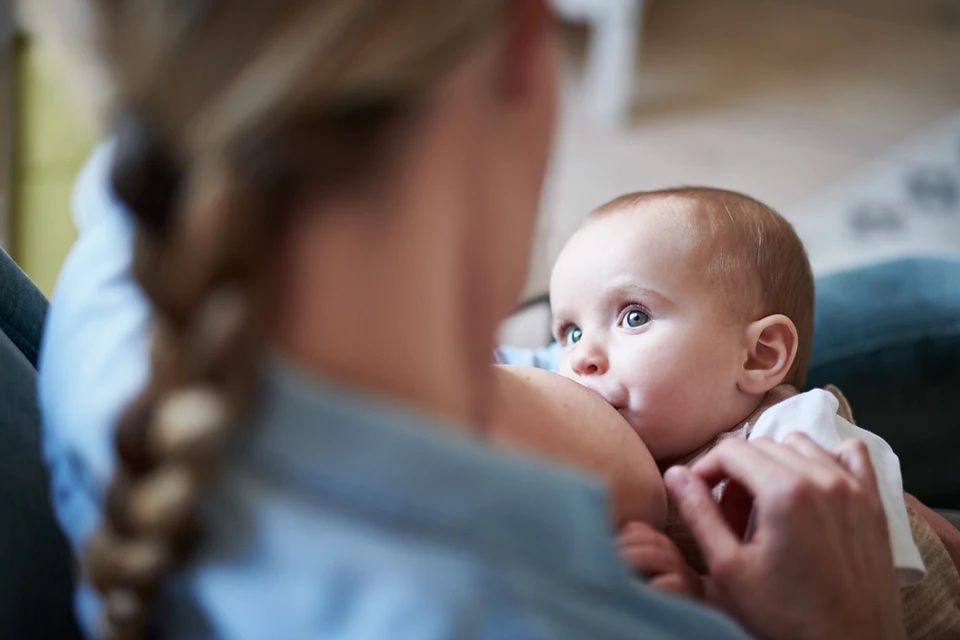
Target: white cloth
x,y
815,414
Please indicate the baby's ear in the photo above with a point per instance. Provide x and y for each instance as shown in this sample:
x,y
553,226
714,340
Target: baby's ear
x,y
771,348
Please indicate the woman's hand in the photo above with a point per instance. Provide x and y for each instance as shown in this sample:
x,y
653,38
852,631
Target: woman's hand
x,y
817,563
652,552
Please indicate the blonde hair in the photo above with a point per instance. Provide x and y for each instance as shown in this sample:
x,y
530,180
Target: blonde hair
x,y
753,255
224,113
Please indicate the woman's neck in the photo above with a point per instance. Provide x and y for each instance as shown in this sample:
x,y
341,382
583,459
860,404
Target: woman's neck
x,y
392,287
374,313
359,296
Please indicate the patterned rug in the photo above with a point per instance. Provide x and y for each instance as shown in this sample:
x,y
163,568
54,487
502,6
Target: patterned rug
x,y
905,202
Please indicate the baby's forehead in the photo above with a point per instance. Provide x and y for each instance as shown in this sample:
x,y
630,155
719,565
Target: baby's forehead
x,y
676,234
679,223
650,238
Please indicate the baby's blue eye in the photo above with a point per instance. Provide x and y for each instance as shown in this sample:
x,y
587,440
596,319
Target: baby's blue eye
x,y
634,318
573,334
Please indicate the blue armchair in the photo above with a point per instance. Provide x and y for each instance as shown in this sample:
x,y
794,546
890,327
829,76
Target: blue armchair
x,y
35,563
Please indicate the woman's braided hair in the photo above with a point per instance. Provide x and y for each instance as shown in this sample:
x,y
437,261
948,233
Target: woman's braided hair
x,y
224,114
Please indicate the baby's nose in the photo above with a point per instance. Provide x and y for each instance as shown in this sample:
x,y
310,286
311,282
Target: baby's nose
x,y
588,360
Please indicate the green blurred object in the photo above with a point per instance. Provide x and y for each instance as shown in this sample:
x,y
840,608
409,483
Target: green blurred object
x,y
51,146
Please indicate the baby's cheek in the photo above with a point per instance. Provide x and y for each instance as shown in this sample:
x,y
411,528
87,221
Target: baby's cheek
x,y
660,440
663,419
653,386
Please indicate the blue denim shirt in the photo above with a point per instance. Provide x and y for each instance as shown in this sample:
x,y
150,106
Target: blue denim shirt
x,y
336,514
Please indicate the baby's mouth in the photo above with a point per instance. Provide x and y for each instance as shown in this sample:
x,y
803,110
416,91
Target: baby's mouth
x,y
617,399
623,409
627,415
621,403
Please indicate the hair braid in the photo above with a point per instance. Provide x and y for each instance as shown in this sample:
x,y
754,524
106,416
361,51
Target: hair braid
x,y
201,273
202,372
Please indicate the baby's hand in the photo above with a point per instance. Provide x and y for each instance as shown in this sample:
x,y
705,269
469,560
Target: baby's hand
x,y
647,550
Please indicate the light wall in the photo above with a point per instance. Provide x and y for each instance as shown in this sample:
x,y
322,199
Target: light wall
x,y
50,149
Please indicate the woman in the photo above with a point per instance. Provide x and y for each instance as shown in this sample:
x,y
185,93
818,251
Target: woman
x,y
333,205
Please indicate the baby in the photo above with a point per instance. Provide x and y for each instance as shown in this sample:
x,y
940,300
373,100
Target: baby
x,y
690,311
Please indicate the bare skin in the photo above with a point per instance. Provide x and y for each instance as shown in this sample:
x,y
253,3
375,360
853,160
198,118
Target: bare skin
x,y
813,508
542,412
660,560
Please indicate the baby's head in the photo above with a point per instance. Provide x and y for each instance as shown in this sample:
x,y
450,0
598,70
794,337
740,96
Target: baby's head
x,y
682,308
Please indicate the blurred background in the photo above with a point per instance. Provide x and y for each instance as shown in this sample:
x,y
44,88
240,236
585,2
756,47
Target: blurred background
x,y
842,114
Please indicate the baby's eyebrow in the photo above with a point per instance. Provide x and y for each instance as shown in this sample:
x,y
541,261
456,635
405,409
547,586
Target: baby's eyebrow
x,y
633,290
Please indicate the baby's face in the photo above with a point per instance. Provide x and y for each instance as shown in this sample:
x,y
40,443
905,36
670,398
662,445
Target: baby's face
x,y
642,326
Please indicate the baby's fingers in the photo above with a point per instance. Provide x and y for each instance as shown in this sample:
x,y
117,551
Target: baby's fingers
x,y
636,532
650,551
679,584
651,559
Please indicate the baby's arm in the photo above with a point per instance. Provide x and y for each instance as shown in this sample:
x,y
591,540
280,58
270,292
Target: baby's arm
x,y
658,558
